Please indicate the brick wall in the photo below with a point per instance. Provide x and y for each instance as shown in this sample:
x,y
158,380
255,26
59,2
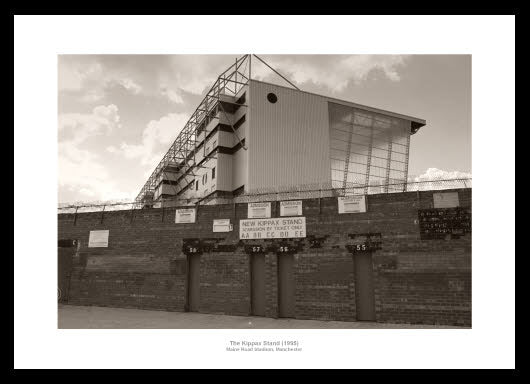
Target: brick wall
x,y
415,280
225,283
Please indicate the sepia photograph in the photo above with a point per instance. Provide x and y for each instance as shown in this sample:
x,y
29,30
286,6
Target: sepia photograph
x,y
274,191
197,192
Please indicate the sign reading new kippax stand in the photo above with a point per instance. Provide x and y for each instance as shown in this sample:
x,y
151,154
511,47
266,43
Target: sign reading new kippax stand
x,y
259,210
185,215
352,204
98,239
278,228
291,208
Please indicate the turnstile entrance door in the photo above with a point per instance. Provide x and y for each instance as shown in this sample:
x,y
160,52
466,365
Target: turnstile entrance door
x,y
286,287
194,262
364,287
258,284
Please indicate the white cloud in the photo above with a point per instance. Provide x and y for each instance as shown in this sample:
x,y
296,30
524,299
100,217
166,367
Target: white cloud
x,y
435,179
112,149
93,95
193,73
77,127
361,65
87,192
156,138
81,170
334,73
74,75
91,78
172,95
165,129
433,174
128,84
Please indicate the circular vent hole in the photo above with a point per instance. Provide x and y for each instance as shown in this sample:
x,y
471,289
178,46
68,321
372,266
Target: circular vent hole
x,y
272,98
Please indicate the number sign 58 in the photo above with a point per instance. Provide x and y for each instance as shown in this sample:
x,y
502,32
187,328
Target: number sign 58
x,y
192,250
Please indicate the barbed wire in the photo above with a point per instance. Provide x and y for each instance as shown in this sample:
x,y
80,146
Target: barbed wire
x,y
305,191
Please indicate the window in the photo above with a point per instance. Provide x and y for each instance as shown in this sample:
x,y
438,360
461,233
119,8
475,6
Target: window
x,y
213,173
196,185
204,178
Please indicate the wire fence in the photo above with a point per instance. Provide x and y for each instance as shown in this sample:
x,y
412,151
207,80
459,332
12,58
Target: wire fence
x,y
299,192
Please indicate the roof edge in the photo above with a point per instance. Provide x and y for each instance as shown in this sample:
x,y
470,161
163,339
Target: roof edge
x,y
416,123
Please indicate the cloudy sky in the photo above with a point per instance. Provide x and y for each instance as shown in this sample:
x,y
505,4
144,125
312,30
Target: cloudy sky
x,y
118,114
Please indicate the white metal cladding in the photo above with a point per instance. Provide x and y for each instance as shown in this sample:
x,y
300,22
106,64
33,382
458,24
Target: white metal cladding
x,y
223,172
288,141
239,168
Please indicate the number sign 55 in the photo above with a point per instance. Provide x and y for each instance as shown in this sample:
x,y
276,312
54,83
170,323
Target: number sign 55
x,y
360,247
363,247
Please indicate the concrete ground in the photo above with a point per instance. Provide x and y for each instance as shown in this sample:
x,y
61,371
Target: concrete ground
x,y
80,317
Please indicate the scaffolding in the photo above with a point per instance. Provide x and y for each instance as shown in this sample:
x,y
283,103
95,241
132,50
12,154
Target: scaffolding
x,y
179,162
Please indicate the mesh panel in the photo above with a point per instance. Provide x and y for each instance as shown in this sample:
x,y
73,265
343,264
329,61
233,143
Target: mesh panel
x,y
366,146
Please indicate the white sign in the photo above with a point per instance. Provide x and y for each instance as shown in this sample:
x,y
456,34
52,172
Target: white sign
x,y
352,204
222,225
278,228
185,215
445,199
259,210
291,208
98,239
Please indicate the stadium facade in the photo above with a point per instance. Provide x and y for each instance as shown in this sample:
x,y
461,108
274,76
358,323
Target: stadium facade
x,y
384,253
248,136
